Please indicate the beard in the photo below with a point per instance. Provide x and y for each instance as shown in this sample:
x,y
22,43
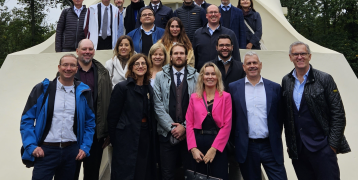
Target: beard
x,y
224,57
84,61
184,63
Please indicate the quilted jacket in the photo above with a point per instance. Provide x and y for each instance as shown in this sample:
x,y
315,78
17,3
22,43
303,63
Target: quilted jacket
x,y
325,104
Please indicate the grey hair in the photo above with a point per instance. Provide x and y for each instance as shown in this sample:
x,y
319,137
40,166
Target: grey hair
x,y
67,55
251,53
300,43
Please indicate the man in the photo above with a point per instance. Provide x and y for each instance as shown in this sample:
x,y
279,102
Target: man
x,y
96,76
131,15
101,25
233,18
148,33
206,38
202,3
314,118
258,125
162,14
192,17
172,89
57,124
231,71
121,16
69,27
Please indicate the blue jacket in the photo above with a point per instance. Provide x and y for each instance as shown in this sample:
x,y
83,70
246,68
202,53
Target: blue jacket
x,y
32,134
237,25
241,128
136,36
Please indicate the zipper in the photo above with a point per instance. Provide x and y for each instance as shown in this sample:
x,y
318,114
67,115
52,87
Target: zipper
x,y
78,21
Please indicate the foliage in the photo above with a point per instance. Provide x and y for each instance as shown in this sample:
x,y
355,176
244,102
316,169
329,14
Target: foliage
x,y
329,23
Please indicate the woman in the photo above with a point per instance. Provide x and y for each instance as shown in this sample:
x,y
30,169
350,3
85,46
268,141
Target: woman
x,y
158,57
208,125
175,33
131,124
117,66
253,19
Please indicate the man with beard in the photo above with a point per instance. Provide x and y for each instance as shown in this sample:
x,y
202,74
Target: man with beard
x,y
206,37
121,15
192,16
172,89
258,128
132,14
96,76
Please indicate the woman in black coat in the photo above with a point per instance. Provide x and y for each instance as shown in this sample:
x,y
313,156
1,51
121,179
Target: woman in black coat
x,y
132,126
253,19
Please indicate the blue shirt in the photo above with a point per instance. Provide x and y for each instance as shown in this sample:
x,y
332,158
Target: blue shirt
x,y
224,7
224,62
210,30
299,87
148,32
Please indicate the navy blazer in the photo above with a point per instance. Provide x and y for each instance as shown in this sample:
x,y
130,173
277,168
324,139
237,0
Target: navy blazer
x,y
274,120
237,25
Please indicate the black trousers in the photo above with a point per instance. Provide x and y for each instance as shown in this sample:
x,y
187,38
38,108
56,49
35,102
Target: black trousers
x,y
320,165
91,164
172,157
104,44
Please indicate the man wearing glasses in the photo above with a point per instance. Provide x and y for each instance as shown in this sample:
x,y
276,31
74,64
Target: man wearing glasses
x,y
314,118
147,34
206,38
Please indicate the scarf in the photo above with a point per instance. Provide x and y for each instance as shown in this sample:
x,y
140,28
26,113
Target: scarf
x,y
129,20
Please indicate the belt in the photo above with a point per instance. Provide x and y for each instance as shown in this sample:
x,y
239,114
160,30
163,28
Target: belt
x,y
60,144
144,120
258,140
201,131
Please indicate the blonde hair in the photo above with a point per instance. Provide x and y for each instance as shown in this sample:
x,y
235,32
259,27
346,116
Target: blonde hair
x,y
200,86
154,48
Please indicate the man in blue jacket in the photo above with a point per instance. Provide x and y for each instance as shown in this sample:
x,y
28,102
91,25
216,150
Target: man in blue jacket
x,y
57,124
233,18
147,34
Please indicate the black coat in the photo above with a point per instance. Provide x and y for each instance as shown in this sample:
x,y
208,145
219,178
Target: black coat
x,y
325,105
254,20
124,121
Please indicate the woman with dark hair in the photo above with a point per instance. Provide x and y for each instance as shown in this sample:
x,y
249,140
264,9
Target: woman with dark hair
x,y
175,33
208,123
252,19
117,66
131,124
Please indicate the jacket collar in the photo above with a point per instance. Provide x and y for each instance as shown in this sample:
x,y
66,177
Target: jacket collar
x,y
310,78
205,29
188,7
191,71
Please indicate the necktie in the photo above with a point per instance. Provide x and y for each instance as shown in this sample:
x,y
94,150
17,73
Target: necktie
x,y
105,24
178,78
155,8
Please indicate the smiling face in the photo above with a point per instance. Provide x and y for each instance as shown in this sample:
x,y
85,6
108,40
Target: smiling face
x,y
174,29
300,57
140,67
224,48
188,2
119,3
252,66
68,68
77,3
213,15
245,3
158,57
85,51
147,17
209,77
124,48
178,57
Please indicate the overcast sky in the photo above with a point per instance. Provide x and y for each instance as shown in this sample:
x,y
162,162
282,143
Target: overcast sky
x,y
51,17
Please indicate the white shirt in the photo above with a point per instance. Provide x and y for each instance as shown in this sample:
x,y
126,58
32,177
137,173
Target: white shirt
x,y
255,97
155,5
181,75
199,4
103,8
78,11
63,115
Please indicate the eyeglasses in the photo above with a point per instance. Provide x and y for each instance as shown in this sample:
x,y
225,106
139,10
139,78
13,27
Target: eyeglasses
x,y
299,54
149,14
142,63
71,65
213,12
224,45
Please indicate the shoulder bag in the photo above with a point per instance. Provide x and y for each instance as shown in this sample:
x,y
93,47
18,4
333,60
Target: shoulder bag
x,y
262,45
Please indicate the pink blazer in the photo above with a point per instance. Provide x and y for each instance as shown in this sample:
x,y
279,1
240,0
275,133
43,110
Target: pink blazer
x,y
222,114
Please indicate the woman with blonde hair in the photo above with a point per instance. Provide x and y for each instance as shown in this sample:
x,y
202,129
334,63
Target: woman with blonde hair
x,y
117,66
158,57
175,33
208,123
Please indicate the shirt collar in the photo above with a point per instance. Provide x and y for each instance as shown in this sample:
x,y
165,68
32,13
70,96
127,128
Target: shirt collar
x,y
155,4
207,25
199,4
225,62
247,81
304,77
61,86
229,5
80,68
74,8
175,70
151,30
103,6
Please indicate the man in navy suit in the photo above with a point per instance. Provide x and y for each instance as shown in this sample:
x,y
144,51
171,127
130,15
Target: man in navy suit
x,y
233,18
258,127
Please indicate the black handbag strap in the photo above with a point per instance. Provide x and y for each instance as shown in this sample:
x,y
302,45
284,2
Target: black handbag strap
x,y
209,114
208,171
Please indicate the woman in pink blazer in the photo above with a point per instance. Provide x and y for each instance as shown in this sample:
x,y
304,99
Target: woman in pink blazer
x,y
207,133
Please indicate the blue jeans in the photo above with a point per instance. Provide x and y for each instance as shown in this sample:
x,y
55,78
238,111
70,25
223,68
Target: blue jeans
x,y
58,162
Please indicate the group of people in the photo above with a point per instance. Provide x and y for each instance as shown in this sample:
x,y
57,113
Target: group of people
x,y
178,98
